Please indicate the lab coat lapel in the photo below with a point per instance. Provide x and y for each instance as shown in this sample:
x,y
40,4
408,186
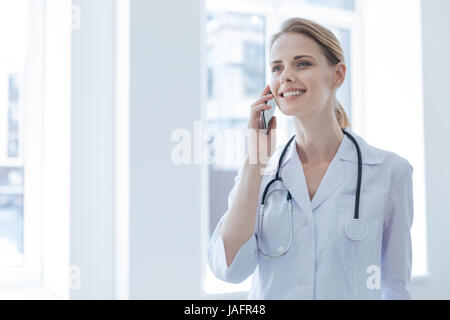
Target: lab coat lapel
x,y
332,180
294,179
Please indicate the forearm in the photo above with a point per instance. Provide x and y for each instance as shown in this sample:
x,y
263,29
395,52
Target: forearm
x,y
239,224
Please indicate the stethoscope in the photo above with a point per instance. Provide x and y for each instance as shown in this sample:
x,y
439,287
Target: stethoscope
x,y
355,229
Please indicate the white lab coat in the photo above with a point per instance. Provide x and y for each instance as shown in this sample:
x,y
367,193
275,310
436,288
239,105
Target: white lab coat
x,y
322,262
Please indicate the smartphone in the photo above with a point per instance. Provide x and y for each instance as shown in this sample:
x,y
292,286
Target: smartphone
x,y
267,115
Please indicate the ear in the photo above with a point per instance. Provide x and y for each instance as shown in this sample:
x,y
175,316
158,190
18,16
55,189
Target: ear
x,y
339,75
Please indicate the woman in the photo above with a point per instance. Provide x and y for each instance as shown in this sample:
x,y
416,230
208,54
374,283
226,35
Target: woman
x,y
313,254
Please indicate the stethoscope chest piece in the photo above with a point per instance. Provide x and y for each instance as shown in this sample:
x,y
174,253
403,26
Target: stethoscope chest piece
x,y
356,229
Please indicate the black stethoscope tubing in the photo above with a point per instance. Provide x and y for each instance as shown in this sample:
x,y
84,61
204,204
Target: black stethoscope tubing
x,y
288,194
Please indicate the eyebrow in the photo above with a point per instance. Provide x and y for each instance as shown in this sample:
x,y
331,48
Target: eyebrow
x,y
295,58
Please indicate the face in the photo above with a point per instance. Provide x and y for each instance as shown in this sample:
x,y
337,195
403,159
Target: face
x,y
310,73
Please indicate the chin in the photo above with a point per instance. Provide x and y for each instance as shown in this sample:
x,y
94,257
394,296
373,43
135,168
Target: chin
x,y
290,110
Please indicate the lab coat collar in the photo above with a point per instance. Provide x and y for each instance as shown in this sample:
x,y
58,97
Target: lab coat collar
x,y
294,177
369,154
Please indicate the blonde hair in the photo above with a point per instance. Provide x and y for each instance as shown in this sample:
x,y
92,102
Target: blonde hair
x,y
330,48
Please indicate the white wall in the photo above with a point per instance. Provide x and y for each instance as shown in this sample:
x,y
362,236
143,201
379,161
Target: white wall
x,y
166,91
92,222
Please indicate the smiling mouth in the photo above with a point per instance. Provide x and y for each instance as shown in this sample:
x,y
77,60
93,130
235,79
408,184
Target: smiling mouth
x,y
292,95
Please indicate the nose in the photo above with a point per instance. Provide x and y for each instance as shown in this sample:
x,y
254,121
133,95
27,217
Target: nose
x,y
286,75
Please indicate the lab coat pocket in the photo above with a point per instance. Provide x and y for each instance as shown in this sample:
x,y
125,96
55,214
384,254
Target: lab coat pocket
x,y
370,211
276,223
365,253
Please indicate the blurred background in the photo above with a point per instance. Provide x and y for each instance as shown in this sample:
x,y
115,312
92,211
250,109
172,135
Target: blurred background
x,y
97,95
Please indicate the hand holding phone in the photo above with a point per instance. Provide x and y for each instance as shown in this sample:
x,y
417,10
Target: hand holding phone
x,y
261,116
267,115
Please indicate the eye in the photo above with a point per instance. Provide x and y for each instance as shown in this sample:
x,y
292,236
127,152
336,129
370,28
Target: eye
x,y
307,63
302,63
274,68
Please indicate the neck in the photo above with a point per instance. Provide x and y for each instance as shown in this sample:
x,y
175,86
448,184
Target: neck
x,y
317,139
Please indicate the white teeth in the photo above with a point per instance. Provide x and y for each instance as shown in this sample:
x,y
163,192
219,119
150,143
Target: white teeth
x,y
293,93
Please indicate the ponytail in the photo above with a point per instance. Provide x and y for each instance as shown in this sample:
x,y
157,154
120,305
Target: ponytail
x,y
341,116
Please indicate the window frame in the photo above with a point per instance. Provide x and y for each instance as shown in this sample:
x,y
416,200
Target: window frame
x,y
31,133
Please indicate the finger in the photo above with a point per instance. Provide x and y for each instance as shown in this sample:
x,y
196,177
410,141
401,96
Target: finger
x,y
260,107
266,90
264,98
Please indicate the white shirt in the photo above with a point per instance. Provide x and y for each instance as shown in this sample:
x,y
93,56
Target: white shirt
x,y
322,262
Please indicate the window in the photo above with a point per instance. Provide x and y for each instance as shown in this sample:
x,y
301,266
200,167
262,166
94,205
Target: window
x,y
340,4
12,66
21,78
236,72
253,69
